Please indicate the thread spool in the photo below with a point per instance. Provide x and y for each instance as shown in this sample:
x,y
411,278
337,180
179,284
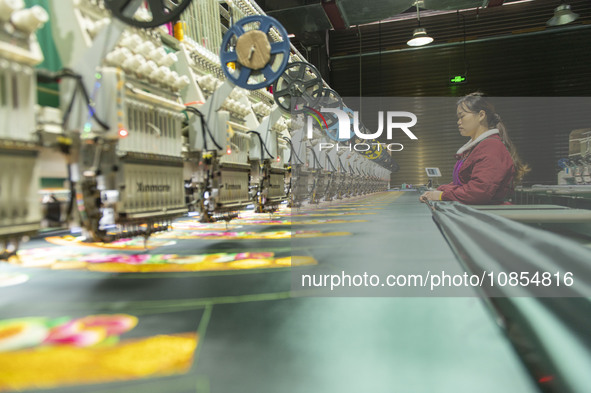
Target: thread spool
x,y
30,19
182,82
165,72
171,78
146,47
168,60
7,7
147,68
133,63
118,56
179,30
158,74
157,55
96,27
132,42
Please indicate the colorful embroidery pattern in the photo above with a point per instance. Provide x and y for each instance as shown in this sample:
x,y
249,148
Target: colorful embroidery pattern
x,y
279,235
346,208
195,224
56,258
159,239
43,352
314,214
16,334
136,243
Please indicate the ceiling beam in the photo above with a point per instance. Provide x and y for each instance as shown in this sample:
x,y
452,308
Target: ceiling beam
x,y
334,14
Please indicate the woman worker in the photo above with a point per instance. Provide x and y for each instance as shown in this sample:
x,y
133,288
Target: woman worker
x,y
488,165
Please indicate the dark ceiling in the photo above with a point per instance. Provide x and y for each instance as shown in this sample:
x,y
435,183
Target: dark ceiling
x,y
314,15
309,20
449,28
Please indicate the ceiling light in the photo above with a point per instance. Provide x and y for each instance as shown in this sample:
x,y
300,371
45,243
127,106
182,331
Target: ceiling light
x,y
419,35
419,38
562,16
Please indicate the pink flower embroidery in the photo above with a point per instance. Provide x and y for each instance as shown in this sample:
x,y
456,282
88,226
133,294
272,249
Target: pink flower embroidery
x,y
90,330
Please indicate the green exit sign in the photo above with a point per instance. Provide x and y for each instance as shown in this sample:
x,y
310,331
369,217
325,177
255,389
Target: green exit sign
x,y
457,79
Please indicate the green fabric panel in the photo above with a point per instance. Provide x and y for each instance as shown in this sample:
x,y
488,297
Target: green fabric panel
x,y
51,60
52,182
48,95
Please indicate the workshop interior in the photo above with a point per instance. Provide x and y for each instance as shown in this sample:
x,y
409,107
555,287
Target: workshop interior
x,y
194,197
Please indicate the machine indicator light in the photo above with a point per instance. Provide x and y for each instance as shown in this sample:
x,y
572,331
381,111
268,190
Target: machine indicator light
x,y
228,150
458,79
545,379
88,127
123,133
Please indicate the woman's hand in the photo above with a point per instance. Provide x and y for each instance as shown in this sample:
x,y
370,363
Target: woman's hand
x,y
431,196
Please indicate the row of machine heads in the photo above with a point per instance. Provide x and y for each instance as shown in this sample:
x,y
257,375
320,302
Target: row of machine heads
x,y
152,128
576,168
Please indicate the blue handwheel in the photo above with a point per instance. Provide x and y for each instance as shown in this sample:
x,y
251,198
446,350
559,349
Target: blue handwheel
x,y
252,53
333,130
299,86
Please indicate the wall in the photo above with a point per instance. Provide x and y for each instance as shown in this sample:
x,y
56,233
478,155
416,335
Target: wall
x,y
500,59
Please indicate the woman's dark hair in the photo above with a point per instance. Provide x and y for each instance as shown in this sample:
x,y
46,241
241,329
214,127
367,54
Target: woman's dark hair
x,y
475,102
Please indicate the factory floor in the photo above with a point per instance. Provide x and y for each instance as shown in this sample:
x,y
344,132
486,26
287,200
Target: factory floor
x,y
210,308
